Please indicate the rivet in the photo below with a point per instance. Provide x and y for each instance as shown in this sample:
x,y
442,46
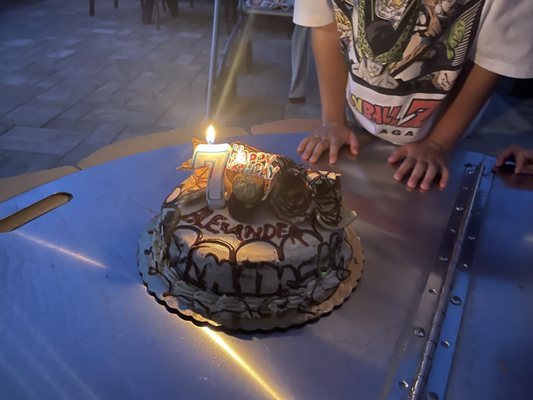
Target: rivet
x,y
453,230
465,265
445,344
459,208
456,300
403,384
432,291
471,237
420,332
443,258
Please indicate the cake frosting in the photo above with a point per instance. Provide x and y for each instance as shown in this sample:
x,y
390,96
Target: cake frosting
x,y
288,253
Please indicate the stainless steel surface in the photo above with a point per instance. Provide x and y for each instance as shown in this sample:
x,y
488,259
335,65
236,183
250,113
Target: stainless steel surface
x,y
494,351
76,321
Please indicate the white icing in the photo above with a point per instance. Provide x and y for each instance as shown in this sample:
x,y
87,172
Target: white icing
x,y
210,267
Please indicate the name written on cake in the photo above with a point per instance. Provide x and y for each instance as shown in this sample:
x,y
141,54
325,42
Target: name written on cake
x,y
207,219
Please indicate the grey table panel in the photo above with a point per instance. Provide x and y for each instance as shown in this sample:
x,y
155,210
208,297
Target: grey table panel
x,y
75,319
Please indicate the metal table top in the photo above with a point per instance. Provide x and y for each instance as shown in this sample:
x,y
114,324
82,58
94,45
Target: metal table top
x,y
76,320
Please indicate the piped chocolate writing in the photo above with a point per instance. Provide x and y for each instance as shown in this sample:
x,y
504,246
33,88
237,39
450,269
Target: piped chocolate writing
x,y
207,219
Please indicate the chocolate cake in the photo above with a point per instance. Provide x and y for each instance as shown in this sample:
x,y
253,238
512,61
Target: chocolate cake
x,y
281,252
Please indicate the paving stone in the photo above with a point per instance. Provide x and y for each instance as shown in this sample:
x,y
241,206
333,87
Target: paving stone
x,y
71,41
106,114
17,78
40,140
61,53
50,81
5,127
104,31
133,130
134,53
185,59
79,71
67,90
31,115
190,35
72,125
78,110
103,135
14,163
18,42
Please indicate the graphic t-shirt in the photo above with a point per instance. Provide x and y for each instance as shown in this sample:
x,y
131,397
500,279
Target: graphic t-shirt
x,y
403,57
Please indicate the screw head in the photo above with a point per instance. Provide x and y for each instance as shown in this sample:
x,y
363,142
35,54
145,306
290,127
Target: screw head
x,y
420,332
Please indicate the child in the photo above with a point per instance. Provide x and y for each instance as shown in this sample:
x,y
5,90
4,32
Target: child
x,y
414,73
523,159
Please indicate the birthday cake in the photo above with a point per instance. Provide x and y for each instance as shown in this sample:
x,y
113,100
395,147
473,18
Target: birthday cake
x,y
281,251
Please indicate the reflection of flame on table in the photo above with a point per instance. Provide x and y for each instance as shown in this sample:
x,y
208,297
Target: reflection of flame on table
x,y
216,337
62,250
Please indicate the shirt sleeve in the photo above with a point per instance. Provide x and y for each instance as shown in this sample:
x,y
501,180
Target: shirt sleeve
x,y
504,42
313,13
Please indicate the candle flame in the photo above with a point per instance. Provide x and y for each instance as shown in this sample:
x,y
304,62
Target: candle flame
x,y
210,134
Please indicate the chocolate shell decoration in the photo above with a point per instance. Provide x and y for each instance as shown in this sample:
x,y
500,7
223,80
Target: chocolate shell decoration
x,y
248,189
292,196
247,193
327,193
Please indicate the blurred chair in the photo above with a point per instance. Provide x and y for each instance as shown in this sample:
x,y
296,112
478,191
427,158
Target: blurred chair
x,y
91,6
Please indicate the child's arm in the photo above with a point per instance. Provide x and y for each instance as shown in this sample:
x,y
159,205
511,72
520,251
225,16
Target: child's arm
x,y
423,160
332,76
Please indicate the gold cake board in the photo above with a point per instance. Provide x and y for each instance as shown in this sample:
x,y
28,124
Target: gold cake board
x,y
159,287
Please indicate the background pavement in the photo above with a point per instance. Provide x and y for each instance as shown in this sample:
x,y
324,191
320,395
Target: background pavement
x,y
71,84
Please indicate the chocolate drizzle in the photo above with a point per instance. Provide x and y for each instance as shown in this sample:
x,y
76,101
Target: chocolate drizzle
x,y
218,265
206,220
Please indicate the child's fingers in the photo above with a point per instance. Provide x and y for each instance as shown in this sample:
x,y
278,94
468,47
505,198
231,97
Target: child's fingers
x,y
431,172
309,148
418,171
520,162
333,152
397,155
444,176
404,168
354,144
504,155
317,152
303,144
528,169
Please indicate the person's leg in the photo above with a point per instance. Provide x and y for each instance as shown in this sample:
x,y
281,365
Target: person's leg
x,y
147,7
173,7
300,57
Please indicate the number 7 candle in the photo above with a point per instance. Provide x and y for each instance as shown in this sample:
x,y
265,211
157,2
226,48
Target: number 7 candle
x,y
214,157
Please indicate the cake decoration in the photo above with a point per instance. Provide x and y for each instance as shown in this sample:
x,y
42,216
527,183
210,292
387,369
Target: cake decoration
x,y
280,252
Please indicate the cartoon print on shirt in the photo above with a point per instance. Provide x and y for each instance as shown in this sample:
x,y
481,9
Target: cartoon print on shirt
x,y
399,46
404,57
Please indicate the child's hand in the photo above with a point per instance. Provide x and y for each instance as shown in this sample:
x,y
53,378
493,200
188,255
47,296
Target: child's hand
x,y
523,159
332,136
421,161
